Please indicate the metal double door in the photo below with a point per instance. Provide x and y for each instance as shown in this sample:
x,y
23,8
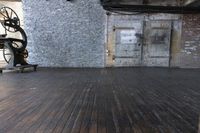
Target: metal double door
x,y
143,43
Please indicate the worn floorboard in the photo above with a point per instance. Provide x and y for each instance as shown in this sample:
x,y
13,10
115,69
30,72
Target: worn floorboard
x,y
123,100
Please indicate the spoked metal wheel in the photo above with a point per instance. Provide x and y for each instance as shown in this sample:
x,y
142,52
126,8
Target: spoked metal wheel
x,y
7,54
9,19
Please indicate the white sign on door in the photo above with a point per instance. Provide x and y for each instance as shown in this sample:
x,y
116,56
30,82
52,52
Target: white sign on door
x,y
128,36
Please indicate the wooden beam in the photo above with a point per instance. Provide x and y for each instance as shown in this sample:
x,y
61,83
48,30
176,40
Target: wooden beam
x,y
187,2
192,3
152,9
11,0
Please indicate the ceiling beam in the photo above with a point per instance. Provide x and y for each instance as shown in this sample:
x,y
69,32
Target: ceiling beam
x,y
192,3
152,9
11,0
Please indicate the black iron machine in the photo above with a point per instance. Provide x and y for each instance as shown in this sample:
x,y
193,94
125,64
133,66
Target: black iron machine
x,y
14,49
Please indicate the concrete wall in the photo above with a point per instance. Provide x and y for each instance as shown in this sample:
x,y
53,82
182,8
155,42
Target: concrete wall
x,y
65,34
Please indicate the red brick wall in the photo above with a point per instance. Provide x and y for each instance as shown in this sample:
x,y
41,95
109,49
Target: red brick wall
x,y
190,49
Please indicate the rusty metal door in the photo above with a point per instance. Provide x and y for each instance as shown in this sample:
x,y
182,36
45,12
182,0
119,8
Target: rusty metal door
x,y
128,45
157,43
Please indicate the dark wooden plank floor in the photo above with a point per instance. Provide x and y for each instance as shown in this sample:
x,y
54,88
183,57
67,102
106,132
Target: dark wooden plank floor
x,y
129,100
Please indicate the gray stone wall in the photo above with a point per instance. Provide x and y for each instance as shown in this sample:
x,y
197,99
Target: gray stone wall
x,y
65,34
